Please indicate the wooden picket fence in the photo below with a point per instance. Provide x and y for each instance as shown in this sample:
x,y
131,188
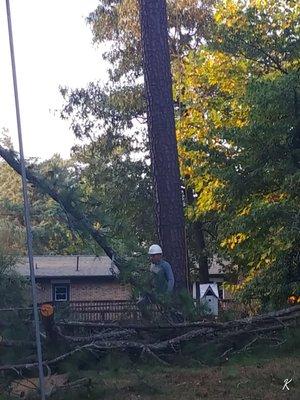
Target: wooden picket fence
x,y
98,311
108,311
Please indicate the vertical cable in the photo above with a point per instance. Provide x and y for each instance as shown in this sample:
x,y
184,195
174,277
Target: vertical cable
x,y
26,208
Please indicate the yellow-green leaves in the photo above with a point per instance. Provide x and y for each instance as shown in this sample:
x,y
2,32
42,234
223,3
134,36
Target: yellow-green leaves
x,y
237,134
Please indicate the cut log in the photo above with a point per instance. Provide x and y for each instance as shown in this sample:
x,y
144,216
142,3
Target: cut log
x,y
47,314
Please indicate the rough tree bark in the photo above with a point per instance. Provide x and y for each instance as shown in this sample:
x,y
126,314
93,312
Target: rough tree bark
x,y
163,147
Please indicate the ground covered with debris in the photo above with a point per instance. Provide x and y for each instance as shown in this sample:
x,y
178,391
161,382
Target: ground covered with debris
x,y
251,358
262,370
264,379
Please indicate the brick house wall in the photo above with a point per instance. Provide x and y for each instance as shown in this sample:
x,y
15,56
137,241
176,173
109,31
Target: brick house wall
x,y
99,291
85,289
43,292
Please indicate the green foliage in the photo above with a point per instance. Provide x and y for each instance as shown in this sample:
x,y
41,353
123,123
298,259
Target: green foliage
x,y
115,172
239,141
190,310
12,286
272,286
111,116
121,184
238,95
95,109
14,293
265,32
52,231
238,134
117,23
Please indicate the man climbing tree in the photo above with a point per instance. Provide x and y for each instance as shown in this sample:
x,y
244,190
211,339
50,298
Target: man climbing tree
x,y
163,147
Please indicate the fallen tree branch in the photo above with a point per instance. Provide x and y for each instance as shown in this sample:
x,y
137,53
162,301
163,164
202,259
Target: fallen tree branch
x,y
53,361
82,222
98,346
16,343
282,315
100,336
155,356
208,335
138,327
226,352
204,333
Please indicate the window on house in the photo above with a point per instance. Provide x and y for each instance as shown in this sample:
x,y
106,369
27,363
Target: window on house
x,y
61,292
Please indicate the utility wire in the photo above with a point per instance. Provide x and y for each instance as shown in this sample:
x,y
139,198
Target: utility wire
x,y
26,208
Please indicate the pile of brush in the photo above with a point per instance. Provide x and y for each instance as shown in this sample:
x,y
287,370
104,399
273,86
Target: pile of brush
x,y
155,340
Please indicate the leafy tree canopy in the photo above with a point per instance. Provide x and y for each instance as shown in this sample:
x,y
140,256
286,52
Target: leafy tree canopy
x,y
239,138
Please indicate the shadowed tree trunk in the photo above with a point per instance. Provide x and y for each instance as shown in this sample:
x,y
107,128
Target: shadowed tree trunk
x,y
163,146
197,231
295,142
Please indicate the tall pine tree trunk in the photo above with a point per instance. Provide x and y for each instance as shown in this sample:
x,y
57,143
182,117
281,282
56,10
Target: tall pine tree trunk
x,y
163,145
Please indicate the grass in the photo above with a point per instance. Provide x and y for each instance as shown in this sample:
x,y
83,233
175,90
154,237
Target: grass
x,y
261,380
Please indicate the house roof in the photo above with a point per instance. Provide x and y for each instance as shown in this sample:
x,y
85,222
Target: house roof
x,y
216,265
88,266
66,266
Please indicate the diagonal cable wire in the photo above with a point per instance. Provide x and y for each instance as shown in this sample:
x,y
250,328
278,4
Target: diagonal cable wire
x,y
26,207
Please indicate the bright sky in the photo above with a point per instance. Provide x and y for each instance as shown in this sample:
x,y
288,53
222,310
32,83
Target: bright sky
x,y
53,46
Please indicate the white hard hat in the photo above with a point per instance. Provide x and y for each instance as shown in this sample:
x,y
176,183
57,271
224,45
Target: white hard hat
x,y
155,249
